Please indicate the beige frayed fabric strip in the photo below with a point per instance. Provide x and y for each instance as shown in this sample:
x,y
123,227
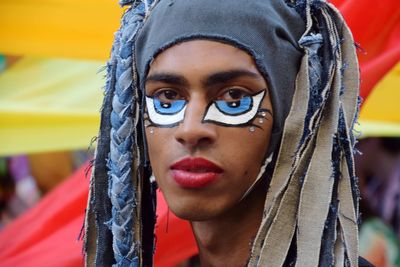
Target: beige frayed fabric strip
x,y
347,217
339,250
306,183
284,224
285,159
348,213
318,184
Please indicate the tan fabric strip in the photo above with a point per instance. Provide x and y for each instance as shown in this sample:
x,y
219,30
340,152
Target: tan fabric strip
x,y
347,215
339,249
351,78
284,162
291,137
284,225
318,184
351,75
314,203
347,212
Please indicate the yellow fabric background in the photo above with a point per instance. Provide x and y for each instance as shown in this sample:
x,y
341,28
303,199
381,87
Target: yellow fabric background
x,y
54,104
49,105
380,114
58,28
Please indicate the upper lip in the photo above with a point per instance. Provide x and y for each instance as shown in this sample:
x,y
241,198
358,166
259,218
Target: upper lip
x,y
196,165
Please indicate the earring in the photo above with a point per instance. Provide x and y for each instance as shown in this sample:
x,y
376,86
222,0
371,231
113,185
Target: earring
x,y
151,130
252,129
152,178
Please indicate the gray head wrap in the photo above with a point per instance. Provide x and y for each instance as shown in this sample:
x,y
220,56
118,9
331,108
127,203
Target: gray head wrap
x,y
306,53
272,40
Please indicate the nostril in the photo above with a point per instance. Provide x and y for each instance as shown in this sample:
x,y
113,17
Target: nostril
x,y
195,143
195,134
205,141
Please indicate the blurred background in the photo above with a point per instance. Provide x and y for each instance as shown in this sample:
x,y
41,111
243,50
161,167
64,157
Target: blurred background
x,y
52,55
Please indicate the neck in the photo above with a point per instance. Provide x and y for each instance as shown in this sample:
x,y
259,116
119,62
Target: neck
x,y
227,239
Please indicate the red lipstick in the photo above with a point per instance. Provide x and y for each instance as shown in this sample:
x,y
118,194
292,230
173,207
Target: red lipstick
x,y
195,172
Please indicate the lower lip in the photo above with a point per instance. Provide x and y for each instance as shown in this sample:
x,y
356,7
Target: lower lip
x,y
193,179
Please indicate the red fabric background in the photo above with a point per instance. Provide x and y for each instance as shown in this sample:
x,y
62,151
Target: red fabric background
x,y
47,235
376,28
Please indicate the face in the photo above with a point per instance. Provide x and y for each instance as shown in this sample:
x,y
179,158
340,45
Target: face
x,y
208,125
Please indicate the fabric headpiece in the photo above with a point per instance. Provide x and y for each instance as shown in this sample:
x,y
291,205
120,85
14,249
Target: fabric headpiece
x,y
306,53
271,40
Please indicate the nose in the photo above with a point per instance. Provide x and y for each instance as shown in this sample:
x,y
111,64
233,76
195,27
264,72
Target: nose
x,y
192,132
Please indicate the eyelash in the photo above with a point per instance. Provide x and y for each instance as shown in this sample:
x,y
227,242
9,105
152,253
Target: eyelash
x,y
243,91
158,93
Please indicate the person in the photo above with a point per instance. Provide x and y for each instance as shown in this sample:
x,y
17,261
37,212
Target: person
x,y
241,112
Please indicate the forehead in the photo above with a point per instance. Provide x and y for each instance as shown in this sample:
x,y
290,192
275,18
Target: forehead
x,y
202,55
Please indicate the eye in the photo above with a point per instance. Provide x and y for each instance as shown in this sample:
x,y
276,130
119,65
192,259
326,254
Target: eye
x,y
237,107
167,95
233,94
168,102
165,108
234,101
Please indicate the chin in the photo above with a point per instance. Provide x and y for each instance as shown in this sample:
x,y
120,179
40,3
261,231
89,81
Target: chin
x,y
193,212
192,216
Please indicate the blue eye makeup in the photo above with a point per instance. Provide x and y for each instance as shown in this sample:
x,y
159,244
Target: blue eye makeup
x,y
169,108
234,107
165,114
234,113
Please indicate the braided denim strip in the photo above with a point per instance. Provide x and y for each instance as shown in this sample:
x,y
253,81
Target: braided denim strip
x,y
123,135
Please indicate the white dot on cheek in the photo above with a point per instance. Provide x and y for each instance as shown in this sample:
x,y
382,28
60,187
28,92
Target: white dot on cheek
x,y
151,131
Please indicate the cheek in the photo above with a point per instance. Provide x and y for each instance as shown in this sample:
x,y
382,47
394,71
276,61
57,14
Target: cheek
x,y
246,150
159,145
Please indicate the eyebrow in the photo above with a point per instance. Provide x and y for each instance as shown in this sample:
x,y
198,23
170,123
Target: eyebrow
x,y
213,79
227,76
168,78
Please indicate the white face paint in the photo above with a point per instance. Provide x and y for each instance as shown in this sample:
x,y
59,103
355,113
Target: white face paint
x,y
165,115
226,113
234,113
